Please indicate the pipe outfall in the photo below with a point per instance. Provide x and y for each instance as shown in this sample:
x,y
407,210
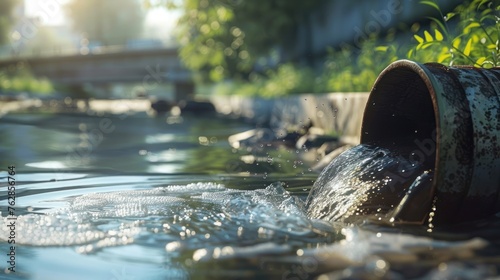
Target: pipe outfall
x,y
446,121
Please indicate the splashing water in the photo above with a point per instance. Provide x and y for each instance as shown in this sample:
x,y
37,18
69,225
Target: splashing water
x,y
103,225
364,180
203,230
192,216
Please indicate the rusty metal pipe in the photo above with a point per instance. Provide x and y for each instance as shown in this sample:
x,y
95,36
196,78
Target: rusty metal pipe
x,y
449,119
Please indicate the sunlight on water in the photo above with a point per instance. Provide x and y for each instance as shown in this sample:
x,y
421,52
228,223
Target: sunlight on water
x,y
200,229
47,164
200,212
159,138
107,216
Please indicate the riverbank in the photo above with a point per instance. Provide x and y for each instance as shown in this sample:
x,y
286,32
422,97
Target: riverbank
x,y
334,113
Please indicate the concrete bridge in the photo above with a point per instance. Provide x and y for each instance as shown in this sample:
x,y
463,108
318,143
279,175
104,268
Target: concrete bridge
x,y
146,66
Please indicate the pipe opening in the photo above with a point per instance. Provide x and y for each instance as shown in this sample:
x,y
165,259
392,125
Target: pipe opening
x,y
400,115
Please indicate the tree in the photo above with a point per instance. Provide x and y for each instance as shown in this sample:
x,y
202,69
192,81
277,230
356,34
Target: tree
x,y
6,19
107,22
227,38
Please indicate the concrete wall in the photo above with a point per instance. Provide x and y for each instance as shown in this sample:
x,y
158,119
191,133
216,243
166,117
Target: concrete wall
x,y
340,113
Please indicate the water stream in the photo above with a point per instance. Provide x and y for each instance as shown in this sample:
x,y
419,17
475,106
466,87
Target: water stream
x,y
134,197
368,180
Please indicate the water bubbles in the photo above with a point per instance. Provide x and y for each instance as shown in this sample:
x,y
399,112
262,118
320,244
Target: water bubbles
x,y
173,246
82,127
269,160
442,266
199,254
265,233
381,264
203,140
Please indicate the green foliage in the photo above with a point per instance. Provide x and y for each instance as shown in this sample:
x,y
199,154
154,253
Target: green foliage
x,y
214,33
226,38
6,19
355,69
108,22
286,79
467,36
20,79
473,41
346,70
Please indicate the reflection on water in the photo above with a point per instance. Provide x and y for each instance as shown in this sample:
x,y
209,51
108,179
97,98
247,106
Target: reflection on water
x,y
132,197
117,142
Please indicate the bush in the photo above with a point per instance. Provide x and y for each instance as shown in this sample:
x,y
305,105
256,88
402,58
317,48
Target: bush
x,y
469,35
473,41
21,80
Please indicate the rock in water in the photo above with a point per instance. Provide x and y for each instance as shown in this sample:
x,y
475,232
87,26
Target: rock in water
x,y
369,180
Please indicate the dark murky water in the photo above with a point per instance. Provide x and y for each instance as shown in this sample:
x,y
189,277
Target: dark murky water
x,y
134,197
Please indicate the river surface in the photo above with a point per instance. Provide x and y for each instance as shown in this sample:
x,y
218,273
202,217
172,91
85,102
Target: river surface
x,y
102,196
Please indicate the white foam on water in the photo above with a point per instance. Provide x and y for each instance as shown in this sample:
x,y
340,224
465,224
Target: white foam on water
x,y
365,254
209,222
195,215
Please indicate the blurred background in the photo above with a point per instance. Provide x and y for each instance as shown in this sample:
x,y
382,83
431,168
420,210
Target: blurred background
x,y
179,49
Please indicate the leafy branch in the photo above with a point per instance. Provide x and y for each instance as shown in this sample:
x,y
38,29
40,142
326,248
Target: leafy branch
x,y
477,35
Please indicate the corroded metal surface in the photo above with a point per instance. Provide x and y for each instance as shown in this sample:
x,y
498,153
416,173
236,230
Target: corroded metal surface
x,y
484,116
